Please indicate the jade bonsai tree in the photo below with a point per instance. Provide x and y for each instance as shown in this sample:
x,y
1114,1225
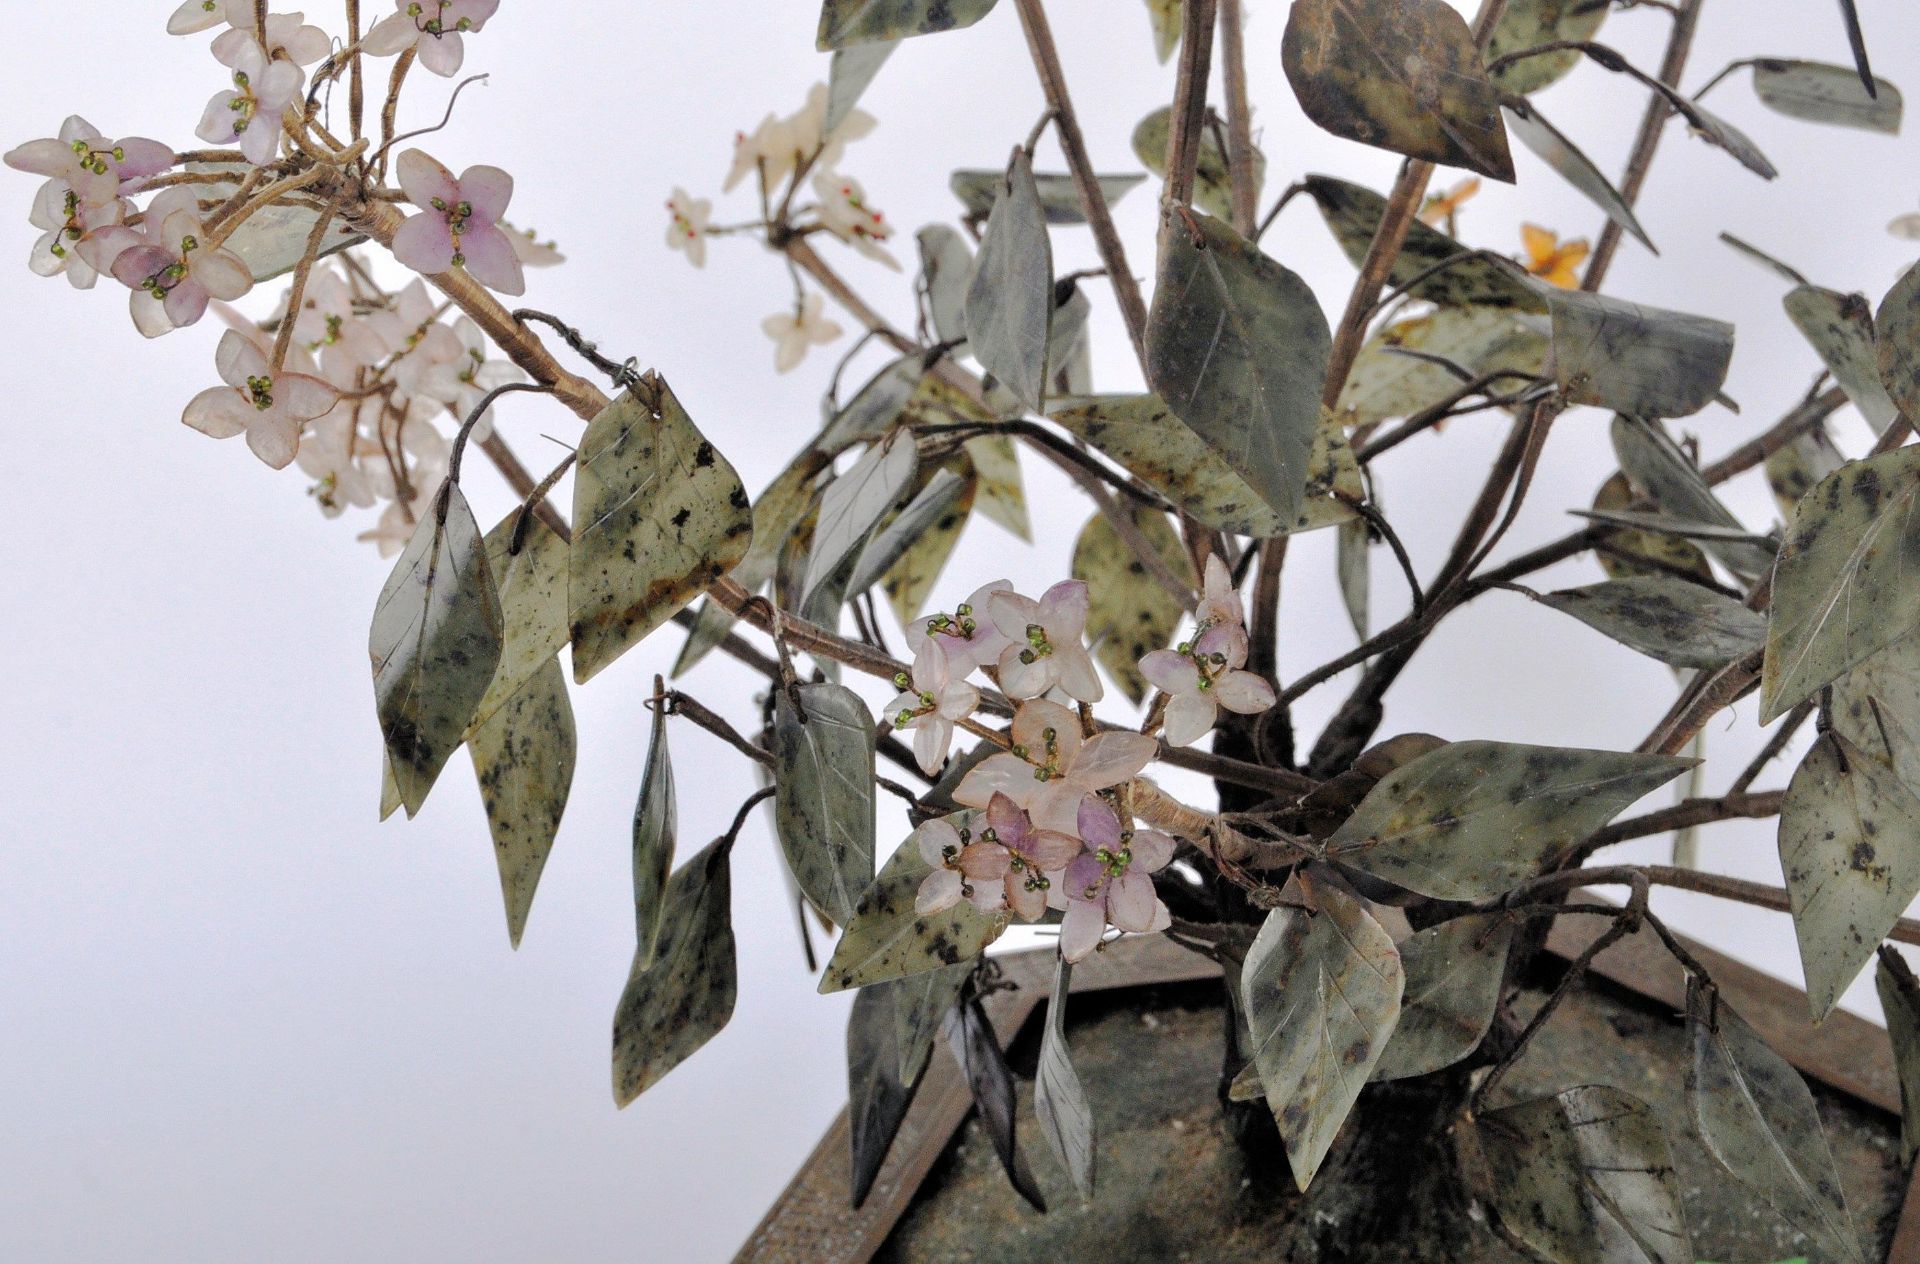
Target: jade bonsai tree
x,y
1370,898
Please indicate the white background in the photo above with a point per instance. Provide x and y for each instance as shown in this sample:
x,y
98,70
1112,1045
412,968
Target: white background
x,y
239,1019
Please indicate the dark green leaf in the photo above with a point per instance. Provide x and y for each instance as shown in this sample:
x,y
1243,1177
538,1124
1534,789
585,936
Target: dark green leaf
x,y
1141,434
1322,994
1665,474
1847,832
1212,179
1403,75
823,799
887,939
656,831
1453,974
1721,134
848,76
1527,24
1059,196
672,1007
1237,346
977,1050
1353,213
1585,1177
1681,624
435,644
877,1094
1010,295
1472,820
1066,1120
1840,327
1900,999
1758,1121
845,22
1843,587
1636,359
523,757
1822,93
1525,121
1129,612
854,505
659,514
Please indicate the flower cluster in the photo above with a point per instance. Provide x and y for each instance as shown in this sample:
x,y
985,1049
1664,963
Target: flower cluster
x,y
1204,673
781,153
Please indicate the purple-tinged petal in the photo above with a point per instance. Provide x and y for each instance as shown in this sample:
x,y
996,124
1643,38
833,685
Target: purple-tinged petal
x,y
1130,901
1023,679
487,190
1097,824
302,396
216,121
149,314
424,244
194,16
41,157
1188,718
1080,930
1029,903
984,862
1151,850
939,891
931,737
1074,667
488,257
1063,610
260,143
223,273
930,672
996,774
1244,693
422,180
186,303
474,13
1111,758
1049,850
274,438
1013,614
1170,672
238,358
1055,807
1007,820
218,412
934,837
443,53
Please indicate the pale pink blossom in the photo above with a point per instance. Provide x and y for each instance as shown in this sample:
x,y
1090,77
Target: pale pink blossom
x,y
67,221
194,16
769,149
963,866
250,112
329,454
687,218
433,28
779,146
1051,768
328,325
807,129
461,383
458,224
167,264
967,634
533,252
1047,644
844,213
269,408
1110,884
1204,674
288,37
1035,857
1219,602
96,169
795,333
931,703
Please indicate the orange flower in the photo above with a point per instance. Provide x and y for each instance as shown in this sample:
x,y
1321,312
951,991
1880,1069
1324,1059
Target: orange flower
x,y
1440,208
1551,259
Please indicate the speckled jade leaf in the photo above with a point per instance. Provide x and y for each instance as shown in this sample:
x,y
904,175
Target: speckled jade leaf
x,y
1453,974
1584,1177
1627,552
1066,1120
1353,213
887,939
1654,463
877,1094
1471,820
1403,75
1322,994
940,501
1896,323
656,830
853,506
1900,1000
1847,833
658,515
1840,328
1142,434
1003,496
523,757
1237,347
682,1000
874,408
1386,381
1527,24
845,22
435,643
1795,469
946,264
1843,587
532,584
1636,359
909,581
1876,706
1212,179
1681,624
921,1001
823,793
849,74
1059,196
1525,121
1129,612
1822,93
1010,295
1758,1121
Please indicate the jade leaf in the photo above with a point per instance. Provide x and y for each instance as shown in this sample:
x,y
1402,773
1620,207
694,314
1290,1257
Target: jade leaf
x,y
1682,624
1354,212
1212,177
1630,552
1525,121
877,1094
1636,359
909,581
946,263
1453,973
523,757
849,74
1528,24
679,1002
1010,295
1822,93
1840,329
1066,1120
853,506
823,793
1897,345
1900,999
887,939
1656,465
1059,196
532,583
1129,612
847,22
656,831
977,1050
